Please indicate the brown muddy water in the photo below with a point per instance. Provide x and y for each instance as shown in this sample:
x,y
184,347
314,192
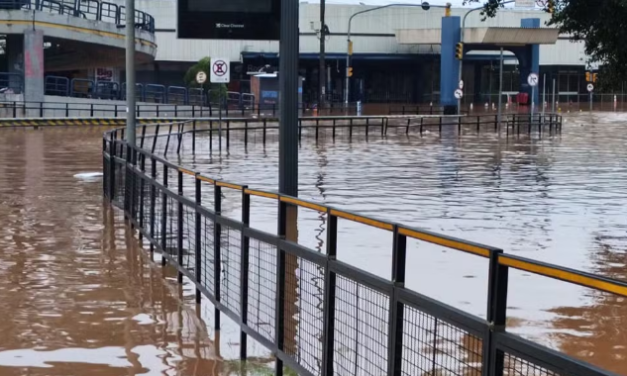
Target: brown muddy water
x,y
79,297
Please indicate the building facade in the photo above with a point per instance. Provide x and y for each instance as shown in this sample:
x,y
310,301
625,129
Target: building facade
x,y
383,69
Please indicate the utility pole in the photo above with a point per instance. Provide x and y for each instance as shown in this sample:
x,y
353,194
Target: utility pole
x,y
130,72
322,77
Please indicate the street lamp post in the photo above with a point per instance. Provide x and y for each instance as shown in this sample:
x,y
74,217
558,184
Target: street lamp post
x,y
424,5
461,39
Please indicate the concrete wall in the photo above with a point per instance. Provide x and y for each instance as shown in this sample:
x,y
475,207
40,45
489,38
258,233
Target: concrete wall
x,y
11,105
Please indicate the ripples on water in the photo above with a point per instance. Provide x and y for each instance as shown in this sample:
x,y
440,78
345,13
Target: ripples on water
x,y
558,199
78,297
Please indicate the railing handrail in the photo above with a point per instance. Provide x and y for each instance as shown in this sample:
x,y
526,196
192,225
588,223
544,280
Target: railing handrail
x,y
491,330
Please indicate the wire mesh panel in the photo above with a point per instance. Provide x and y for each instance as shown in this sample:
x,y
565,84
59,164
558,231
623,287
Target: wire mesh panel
x,y
230,248
435,347
303,325
189,238
208,255
262,287
361,329
515,366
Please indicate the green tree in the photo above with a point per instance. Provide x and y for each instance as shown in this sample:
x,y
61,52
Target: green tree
x,y
598,23
204,65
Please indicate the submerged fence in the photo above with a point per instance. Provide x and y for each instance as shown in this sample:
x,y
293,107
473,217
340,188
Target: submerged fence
x,y
316,314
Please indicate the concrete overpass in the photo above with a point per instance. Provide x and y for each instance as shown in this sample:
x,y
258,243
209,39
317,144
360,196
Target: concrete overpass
x,y
53,36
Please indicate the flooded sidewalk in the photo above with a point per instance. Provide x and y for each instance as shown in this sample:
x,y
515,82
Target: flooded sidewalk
x,y
78,295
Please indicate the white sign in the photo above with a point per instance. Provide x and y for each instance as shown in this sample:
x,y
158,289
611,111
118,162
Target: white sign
x,y
201,77
461,84
590,88
459,93
532,79
220,71
525,4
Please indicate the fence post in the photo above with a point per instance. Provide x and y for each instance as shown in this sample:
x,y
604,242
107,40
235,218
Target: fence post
x,y
280,288
459,126
395,331
496,123
243,340
245,133
115,110
217,263
329,298
141,142
67,110
157,110
496,314
164,215
142,167
14,110
41,109
153,199
194,137
228,133
300,129
478,124
198,232
112,150
440,125
264,130
179,234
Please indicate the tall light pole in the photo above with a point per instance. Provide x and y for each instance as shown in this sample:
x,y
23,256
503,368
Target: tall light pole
x,y
130,72
461,40
349,49
322,76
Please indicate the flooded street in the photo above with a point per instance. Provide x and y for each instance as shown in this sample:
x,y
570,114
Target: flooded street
x,y
80,298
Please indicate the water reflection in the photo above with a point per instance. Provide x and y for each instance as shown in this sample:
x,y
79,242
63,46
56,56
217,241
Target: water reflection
x,y
78,296
546,198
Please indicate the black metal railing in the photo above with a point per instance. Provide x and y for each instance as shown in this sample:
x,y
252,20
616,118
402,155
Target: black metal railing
x,y
20,109
88,9
316,314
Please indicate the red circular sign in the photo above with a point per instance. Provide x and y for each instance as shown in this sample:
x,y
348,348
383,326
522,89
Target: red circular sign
x,y
220,67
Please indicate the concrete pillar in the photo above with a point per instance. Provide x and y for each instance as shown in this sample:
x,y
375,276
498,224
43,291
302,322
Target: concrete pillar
x,y
34,65
449,65
529,59
15,63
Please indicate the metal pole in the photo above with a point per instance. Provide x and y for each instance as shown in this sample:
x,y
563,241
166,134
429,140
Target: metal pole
x,y
288,111
130,72
543,96
590,101
533,103
220,119
553,99
348,48
322,76
500,111
348,63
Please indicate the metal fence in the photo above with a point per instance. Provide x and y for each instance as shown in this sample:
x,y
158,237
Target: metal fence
x,y
318,315
87,9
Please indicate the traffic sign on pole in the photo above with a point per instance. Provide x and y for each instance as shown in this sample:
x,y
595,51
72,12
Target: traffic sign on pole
x,y
459,94
220,71
532,79
590,88
201,77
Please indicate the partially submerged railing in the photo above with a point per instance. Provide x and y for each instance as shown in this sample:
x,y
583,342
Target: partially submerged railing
x,y
345,320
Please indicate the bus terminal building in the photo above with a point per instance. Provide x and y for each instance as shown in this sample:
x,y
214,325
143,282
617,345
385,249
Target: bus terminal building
x,y
397,54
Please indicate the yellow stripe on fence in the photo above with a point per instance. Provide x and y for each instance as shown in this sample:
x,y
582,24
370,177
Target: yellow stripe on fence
x,y
564,275
185,171
253,192
364,220
454,244
211,181
304,204
229,185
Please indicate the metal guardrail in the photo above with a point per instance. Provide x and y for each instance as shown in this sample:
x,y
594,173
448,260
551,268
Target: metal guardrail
x,y
344,317
88,9
14,109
